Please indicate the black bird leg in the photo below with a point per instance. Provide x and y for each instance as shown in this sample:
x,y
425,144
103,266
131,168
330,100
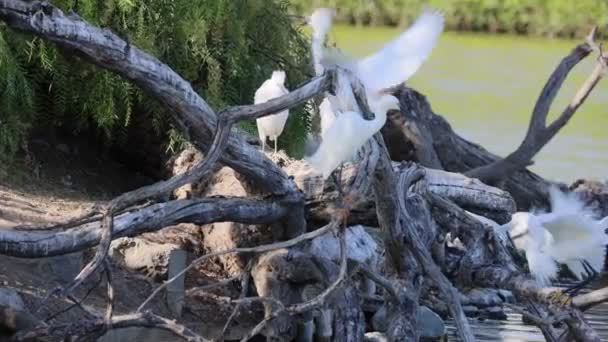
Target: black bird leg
x,y
591,275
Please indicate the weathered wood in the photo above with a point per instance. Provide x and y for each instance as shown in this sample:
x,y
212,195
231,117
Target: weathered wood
x,y
36,244
413,202
460,155
539,133
486,263
467,192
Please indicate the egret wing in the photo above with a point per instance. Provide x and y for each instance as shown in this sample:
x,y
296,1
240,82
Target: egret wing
x,y
400,58
542,266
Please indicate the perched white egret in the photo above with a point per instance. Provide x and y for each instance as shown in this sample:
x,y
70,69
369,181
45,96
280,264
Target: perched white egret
x,y
348,133
393,64
569,235
272,125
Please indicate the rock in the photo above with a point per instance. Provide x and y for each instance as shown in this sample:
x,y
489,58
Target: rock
x,y
431,325
149,258
470,310
10,298
495,312
506,296
360,246
375,337
482,298
14,316
379,320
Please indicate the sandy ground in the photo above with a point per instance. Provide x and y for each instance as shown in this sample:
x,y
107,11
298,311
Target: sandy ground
x,y
63,184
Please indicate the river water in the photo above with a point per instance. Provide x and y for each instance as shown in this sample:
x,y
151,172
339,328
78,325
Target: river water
x,y
486,86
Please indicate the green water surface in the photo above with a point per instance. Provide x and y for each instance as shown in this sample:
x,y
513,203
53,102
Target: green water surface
x,y
486,86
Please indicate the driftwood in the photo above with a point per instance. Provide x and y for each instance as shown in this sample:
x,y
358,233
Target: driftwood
x,y
414,207
437,146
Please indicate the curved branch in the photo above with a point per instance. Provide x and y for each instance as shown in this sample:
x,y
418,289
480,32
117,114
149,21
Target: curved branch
x,y
539,133
588,300
33,244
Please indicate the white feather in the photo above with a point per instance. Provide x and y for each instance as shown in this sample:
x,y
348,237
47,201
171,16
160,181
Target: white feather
x,y
321,21
398,60
391,65
577,236
327,116
568,235
272,125
542,266
347,134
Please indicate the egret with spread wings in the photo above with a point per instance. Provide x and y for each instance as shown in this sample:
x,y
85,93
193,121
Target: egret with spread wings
x,y
568,235
396,62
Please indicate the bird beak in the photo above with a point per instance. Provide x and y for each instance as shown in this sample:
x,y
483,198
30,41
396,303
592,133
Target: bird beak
x,y
384,91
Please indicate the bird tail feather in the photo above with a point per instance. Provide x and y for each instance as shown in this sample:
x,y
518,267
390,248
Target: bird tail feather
x,y
542,266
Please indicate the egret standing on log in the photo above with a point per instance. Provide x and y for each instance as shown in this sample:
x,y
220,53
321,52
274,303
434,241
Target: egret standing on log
x,y
568,235
272,125
349,132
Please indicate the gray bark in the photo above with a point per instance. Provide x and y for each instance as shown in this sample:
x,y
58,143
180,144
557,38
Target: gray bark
x,y
36,244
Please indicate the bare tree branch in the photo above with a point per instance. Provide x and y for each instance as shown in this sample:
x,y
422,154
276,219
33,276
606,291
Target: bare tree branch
x,y
539,133
588,300
144,319
104,48
245,276
423,255
380,280
258,249
110,291
35,244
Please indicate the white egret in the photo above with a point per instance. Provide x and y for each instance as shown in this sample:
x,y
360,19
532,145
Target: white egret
x,y
349,132
396,62
327,116
569,235
272,125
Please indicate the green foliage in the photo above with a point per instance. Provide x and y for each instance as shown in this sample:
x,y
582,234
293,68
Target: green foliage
x,y
225,48
536,17
16,104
